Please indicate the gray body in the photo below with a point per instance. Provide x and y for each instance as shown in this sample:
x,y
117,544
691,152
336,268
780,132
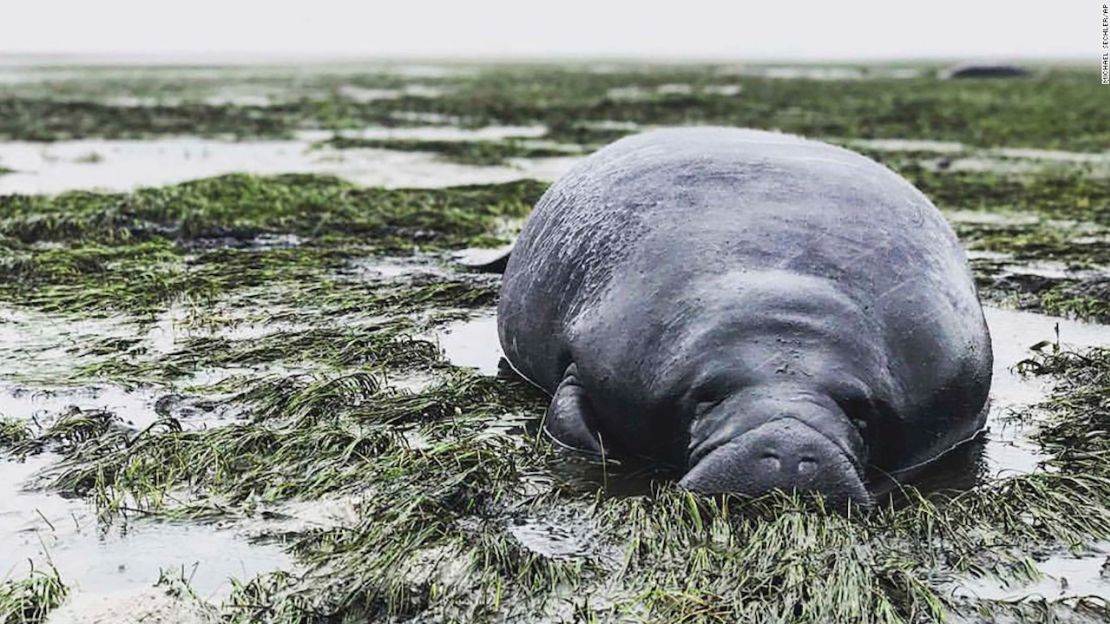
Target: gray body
x,y
760,310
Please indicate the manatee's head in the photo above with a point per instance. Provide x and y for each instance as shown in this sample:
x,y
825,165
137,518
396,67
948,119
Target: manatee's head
x,y
791,440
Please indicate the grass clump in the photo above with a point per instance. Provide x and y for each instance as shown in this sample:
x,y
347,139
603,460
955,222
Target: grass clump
x,y
13,432
390,346
199,241
47,118
443,478
29,600
1037,241
243,206
302,437
1085,301
1068,194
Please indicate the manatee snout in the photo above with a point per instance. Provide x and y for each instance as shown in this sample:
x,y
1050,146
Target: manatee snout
x,y
784,454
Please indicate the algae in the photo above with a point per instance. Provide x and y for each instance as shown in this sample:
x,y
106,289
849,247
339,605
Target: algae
x,y
1058,108
29,600
330,383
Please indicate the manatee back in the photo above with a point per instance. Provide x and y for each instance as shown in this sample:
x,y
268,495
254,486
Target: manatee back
x,y
667,207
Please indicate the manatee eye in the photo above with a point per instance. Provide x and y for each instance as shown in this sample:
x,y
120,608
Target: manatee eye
x,y
877,425
859,411
709,394
704,406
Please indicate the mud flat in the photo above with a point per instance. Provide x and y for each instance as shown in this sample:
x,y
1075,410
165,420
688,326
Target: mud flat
x,y
246,379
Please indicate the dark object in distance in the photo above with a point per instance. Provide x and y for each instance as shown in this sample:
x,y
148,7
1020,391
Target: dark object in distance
x,y
759,310
986,71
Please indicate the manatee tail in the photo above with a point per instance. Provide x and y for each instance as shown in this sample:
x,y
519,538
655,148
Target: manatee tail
x,y
484,260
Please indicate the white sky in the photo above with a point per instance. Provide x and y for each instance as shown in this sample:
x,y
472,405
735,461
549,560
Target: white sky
x,y
824,29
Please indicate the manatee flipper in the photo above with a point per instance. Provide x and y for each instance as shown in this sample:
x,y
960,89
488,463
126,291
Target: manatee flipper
x,y
570,418
484,260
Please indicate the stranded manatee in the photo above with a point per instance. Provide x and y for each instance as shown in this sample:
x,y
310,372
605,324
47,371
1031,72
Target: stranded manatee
x,y
762,310
985,71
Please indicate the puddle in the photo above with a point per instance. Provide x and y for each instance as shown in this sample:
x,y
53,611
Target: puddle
x,y
908,145
363,94
474,343
723,89
983,217
123,165
154,605
438,133
983,164
824,72
810,73
996,160
239,99
1054,271
633,92
34,345
1012,333
612,125
421,117
411,382
136,408
42,346
42,381
1054,155
1063,576
388,268
43,527
560,536
988,256
546,169
111,165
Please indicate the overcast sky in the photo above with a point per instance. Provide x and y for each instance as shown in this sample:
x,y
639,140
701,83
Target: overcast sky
x,y
827,29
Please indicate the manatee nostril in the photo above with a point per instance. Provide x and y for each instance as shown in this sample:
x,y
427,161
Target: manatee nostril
x,y
770,461
807,465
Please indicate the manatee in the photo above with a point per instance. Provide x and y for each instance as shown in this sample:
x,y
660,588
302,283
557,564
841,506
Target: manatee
x,y
986,70
757,310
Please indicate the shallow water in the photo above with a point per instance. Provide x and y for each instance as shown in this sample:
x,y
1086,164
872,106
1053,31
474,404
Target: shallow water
x,y
44,527
363,94
41,353
119,165
1063,576
996,160
563,535
437,133
474,343
123,165
637,93
1055,155
909,145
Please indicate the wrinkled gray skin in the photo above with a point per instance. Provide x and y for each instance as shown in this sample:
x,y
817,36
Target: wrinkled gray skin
x,y
762,310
